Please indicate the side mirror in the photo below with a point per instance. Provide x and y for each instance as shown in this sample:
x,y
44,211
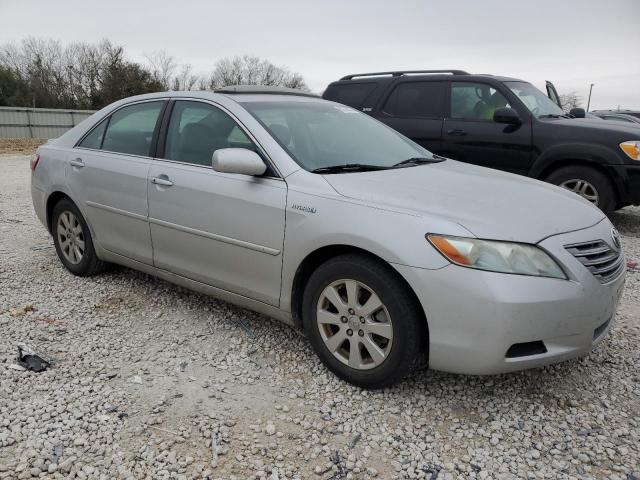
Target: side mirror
x,y
577,112
506,115
238,160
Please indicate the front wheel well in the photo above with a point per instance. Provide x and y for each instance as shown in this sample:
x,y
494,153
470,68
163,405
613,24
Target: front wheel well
x,y
53,199
607,174
544,174
321,255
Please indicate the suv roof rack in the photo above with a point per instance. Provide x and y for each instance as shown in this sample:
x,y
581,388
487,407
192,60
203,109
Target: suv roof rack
x,y
262,89
399,73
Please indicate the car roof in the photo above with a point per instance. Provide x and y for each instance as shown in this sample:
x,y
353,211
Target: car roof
x,y
238,93
387,77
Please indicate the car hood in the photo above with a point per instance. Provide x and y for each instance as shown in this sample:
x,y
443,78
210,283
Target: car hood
x,y
626,130
489,203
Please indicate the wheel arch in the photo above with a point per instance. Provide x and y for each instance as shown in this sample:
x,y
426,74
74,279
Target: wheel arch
x,y
598,157
52,201
317,257
569,161
609,173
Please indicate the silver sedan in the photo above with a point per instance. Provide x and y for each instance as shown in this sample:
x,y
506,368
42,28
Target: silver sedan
x,y
318,215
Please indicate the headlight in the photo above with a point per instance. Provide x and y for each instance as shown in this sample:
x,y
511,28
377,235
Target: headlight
x,y
631,148
496,256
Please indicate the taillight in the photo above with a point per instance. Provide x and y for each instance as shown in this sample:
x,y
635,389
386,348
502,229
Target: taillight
x,y
34,162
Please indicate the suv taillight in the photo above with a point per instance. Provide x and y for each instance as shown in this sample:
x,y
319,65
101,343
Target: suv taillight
x,y
34,162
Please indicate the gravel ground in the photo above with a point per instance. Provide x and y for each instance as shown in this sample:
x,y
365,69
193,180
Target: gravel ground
x,y
153,381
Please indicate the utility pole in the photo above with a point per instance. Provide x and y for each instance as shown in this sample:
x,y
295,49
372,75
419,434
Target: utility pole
x,y
589,101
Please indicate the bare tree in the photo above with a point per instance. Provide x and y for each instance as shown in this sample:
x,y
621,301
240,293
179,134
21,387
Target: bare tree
x,y
166,70
45,73
251,70
570,100
185,79
162,67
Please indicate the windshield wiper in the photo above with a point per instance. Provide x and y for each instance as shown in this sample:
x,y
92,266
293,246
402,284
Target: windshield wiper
x,y
552,115
348,167
419,161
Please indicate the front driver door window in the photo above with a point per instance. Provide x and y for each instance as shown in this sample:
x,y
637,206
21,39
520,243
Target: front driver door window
x,y
475,101
470,134
225,230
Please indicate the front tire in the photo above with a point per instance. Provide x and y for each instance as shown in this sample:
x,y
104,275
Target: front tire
x,y
587,182
362,321
73,242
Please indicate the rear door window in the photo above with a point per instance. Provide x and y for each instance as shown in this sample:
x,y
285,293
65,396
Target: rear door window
x,y
352,94
416,99
130,129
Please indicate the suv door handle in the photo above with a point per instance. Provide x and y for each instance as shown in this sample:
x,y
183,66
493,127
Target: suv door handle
x,y
456,131
165,182
77,163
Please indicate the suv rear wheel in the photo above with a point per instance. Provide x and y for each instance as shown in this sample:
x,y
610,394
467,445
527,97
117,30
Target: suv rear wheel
x,y
587,182
362,322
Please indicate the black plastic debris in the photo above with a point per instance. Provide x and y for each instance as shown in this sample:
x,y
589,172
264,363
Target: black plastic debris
x,y
31,360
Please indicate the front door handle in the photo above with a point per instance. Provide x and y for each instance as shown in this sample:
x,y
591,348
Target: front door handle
x,y
456,131
165,182
77,163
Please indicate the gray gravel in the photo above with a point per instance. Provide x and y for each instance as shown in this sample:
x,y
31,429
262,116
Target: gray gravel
x,y
153,381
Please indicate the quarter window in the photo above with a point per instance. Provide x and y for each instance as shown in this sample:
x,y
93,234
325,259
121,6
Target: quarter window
x,y
352,94
131,128
475,101
416,99
94,139
197,129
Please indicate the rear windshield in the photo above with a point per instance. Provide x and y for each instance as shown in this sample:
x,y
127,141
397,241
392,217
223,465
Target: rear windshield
x,y
322,134
352,94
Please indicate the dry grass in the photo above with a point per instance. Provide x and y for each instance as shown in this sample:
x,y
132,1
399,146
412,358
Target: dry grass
x,y
20,145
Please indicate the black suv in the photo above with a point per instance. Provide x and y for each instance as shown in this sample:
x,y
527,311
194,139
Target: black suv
x,y
503,123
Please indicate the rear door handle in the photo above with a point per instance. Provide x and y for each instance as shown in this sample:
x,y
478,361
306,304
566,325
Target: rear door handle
x,y
77,163
165,182
456,131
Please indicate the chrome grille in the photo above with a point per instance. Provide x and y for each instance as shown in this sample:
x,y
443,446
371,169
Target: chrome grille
x,y
599,258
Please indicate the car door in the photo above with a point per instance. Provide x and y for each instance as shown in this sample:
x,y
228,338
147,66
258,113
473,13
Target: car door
x,y
107,174
416,109
470,134
225,230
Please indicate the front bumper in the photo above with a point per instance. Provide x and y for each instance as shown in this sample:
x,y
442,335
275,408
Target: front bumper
x,y
476,317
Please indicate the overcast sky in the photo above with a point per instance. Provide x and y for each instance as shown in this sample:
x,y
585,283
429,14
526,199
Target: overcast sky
x,y
570,42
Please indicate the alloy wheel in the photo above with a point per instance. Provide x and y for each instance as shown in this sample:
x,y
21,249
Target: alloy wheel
x,y
70,237
583,188
354,324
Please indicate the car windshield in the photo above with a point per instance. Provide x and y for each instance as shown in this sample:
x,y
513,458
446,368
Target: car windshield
x,y
537,102
324,134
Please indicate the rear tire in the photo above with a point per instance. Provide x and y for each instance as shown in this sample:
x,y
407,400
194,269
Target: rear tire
x,y
73,242
367,345
586,182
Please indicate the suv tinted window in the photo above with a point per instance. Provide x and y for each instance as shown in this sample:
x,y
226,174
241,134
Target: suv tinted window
x,y
94,139
197,129
353,94
416,99
475,101
130,129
